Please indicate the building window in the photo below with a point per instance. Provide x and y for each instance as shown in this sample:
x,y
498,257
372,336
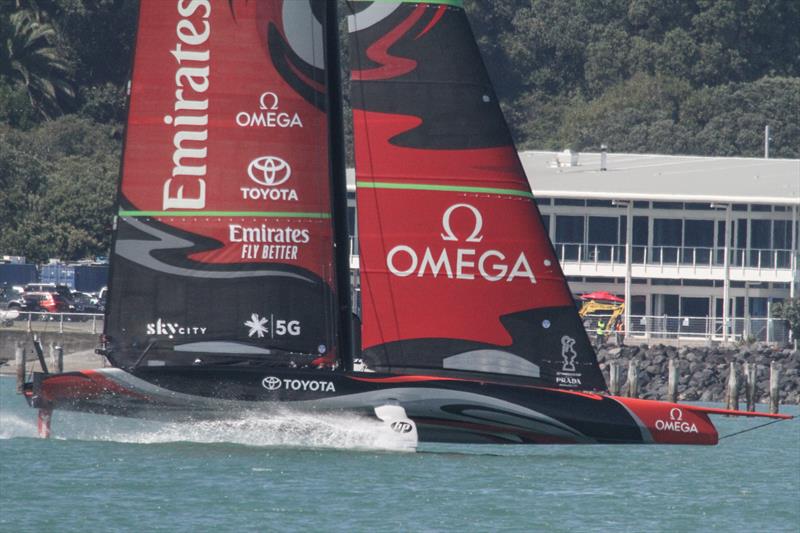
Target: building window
x,y
640,232
603,236
599,203
570,201
696,307
741,233
782,242
667,205
698,240
569,235
693,206
667,233
760,243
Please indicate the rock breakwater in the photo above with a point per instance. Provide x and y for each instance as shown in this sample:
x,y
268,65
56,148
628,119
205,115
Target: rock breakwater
x,y
703,371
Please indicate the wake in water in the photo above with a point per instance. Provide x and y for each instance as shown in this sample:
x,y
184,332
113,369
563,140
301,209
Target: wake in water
x,y
281,429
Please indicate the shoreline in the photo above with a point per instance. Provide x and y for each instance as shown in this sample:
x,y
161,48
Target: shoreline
x,y
702,371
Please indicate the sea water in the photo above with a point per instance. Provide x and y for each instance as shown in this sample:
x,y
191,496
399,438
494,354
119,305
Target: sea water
x,y
295,472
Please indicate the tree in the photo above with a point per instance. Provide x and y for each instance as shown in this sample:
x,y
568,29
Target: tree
x,y
57,184
30,58
640,114
789,310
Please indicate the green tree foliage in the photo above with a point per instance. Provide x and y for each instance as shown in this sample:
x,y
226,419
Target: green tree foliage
x,y
666,76
57,185
30,59
789,310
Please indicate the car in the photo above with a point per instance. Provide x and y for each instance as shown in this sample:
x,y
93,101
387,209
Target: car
x,y
85,303
45,302
11,297
62,290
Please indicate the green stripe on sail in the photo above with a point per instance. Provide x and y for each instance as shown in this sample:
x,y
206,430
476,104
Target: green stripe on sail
x,y
196,214
448,188
455,3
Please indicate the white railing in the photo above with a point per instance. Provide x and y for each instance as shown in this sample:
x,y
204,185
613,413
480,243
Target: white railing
x,y
38,322
674,255
649,327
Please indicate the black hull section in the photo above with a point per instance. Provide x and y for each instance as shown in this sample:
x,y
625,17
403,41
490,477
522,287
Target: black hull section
x,y
444,409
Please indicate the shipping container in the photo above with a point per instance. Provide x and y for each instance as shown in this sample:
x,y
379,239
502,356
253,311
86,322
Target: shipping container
x,y
58,274
84,278
14,274
91,278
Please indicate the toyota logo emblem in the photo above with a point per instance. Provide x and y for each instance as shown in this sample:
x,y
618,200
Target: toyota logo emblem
x,y
269,171
271,383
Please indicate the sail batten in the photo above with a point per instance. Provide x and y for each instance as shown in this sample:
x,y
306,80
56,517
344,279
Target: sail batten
x,y
457,270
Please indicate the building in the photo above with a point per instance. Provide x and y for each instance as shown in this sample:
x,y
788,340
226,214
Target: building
x,y
699,247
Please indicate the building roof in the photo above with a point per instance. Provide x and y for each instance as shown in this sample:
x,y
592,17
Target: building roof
x,y
665,178
670,178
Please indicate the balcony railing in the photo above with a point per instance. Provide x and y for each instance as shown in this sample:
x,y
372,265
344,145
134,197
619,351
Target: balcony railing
x,y
648,327
674,255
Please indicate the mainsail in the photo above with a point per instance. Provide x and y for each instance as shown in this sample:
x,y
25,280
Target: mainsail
x,y
224,239
457,271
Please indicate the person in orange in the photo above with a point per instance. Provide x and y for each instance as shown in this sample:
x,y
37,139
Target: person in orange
x,y
619,333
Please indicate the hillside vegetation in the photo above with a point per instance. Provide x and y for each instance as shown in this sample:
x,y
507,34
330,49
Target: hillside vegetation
x,y
662,76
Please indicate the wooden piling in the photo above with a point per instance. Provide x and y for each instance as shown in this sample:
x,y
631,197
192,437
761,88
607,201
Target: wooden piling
x,y
56,358
52,351
672,383
19,360
732,394
633,379
613,378
750,386
774,393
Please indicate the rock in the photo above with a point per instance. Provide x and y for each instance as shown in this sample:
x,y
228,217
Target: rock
x,y
690,396
703,371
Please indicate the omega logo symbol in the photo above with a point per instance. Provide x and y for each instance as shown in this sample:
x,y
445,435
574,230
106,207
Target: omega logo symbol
x,y
269,171
448,234
271,383
676,414
268,101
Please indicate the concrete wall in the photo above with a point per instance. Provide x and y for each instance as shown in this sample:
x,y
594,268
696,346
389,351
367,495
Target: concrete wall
x,y
72,342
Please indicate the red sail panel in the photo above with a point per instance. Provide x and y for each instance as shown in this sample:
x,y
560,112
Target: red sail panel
x,y
457,271
225,231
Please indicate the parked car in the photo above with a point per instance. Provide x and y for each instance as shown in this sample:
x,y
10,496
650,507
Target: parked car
x,y
11,297
85,303
62,290
45,302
